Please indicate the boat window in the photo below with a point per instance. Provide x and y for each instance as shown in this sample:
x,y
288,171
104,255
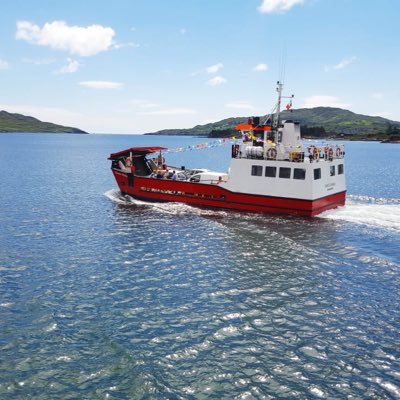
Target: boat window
x,y
284,172
256,170
317,173
332,171
270,172
340,169
299,173
195,178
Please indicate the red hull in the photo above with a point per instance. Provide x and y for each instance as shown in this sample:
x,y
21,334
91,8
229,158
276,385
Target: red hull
x,y
216,196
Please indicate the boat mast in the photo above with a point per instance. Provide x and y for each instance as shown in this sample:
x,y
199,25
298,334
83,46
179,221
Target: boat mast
x,y
278,108
278,105
275,125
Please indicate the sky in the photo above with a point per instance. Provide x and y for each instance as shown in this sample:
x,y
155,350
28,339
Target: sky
x,y
137,66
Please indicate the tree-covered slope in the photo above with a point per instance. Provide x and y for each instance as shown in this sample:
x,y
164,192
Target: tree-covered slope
x,y
333,120
22,123
337,120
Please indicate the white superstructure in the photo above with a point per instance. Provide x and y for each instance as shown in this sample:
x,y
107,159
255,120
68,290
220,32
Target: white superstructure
x,y
272,161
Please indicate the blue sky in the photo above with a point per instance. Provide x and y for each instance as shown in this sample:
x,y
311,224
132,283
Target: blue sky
x,y
135,66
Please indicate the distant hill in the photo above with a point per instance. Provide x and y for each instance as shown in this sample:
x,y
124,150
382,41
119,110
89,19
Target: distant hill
x,y
334,120
22,123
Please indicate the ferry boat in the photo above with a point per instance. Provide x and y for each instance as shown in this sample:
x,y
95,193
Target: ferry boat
x,y
271,171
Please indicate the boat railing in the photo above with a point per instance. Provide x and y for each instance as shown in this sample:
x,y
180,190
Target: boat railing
x,y
327,152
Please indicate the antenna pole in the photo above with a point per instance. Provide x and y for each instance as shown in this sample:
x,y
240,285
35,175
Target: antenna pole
x,y
278,105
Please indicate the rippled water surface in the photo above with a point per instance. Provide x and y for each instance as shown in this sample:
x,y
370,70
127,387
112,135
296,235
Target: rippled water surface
x,y
106,297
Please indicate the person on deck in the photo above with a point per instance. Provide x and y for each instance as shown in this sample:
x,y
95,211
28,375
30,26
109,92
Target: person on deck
x,y
121,165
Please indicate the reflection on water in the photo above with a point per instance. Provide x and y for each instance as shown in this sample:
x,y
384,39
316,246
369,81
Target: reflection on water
x,y
112,298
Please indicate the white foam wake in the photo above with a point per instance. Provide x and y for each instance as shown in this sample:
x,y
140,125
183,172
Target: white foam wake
x,y
168,208
117,197
356,198
366,210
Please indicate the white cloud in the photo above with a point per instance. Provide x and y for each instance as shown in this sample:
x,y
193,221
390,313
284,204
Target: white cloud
x,y
118,46
376,96
324,101
42,61
216,81
101,84
182,31
170,111
213,69
260,67
144,103
3,64
149,105
71,67
383,114
277,6
342,64
48,114
245,105
75,39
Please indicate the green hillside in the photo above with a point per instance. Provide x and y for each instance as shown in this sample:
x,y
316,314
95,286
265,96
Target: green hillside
x,y
22,123
334,121
337,120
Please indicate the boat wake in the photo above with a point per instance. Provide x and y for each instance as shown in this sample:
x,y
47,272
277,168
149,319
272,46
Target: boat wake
x,y
371,211
117,197
363,210
167,208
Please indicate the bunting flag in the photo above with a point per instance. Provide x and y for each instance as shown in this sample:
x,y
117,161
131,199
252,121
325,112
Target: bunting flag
x,y
206,145
217,143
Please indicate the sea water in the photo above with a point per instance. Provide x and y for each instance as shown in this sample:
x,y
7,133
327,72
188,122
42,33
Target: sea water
x,y
106,297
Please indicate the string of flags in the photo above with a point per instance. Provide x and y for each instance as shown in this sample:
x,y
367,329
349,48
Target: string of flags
x,y
220,142
206,145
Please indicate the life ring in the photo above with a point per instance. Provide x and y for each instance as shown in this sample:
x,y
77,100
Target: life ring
x,y
338,152
271,153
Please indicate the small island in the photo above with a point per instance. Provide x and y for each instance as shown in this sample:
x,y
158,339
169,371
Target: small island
x,y
14,123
